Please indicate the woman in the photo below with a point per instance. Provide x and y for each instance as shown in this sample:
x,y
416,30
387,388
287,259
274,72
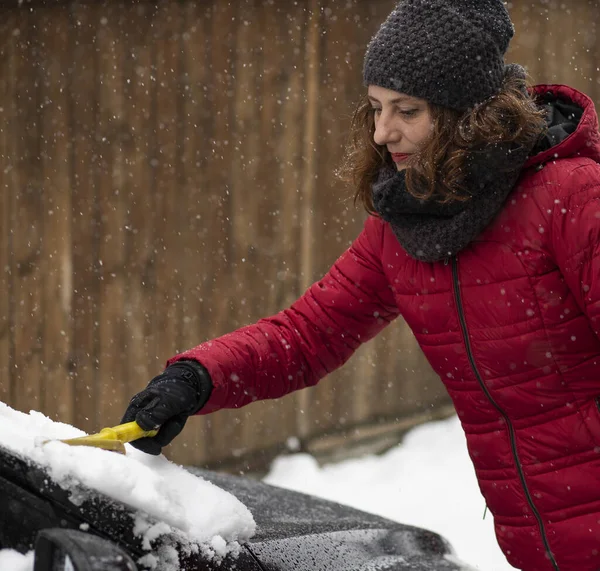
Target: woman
x,y
484,234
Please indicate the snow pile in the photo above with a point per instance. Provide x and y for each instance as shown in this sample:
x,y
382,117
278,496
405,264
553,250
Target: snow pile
x,y
11,560
188,507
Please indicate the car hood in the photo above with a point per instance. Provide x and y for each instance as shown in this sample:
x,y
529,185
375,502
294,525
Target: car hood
x,y
302,532
294,531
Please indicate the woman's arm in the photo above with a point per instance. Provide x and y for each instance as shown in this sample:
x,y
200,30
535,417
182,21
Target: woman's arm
x,y
300,345
576,239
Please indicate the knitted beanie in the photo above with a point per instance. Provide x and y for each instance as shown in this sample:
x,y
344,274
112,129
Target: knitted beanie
x,y
448,52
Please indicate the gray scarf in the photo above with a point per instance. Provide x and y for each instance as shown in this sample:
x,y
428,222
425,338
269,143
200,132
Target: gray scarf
x,y
430,230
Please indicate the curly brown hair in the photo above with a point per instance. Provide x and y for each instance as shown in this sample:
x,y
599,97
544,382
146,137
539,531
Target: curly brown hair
x,y
511,116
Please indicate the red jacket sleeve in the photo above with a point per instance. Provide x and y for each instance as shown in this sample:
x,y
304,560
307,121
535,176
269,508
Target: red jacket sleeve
x,y
317,334
576,239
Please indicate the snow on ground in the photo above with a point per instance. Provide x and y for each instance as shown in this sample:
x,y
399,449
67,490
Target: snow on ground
x,y
427,480
196,511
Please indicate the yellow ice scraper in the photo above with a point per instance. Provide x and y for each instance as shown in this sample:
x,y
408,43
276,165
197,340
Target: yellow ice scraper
x,y
112,438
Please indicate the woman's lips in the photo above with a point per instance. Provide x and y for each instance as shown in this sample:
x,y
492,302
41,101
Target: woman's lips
x,y
399,157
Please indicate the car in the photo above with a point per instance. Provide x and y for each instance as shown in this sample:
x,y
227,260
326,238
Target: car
x,y
294,531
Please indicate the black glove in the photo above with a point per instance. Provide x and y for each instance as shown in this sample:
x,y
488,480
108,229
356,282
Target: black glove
x,y
180,391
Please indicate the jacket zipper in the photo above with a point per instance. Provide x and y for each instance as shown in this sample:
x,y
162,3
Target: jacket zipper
x,y
597,399
511,430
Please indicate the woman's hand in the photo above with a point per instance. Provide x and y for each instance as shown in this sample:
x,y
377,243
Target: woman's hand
x,y
180,391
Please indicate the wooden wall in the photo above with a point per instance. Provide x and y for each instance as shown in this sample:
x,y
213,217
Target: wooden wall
x,y
166,176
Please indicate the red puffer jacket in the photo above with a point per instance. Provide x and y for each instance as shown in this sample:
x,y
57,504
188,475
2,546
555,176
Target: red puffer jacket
x,y
512,327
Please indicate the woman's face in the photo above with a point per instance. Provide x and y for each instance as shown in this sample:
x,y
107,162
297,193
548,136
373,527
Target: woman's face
x,y
402,122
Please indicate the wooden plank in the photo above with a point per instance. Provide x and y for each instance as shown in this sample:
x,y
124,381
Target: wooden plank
x,y
284,109
140,363
168,204
111,131
197,113
557,44
309,236
246,197
594,54
245,133
525,48
219,153
218,285
568,46
334,399
582,57
86,286
7,189
57,264
169,216
371,438
27,208
278,185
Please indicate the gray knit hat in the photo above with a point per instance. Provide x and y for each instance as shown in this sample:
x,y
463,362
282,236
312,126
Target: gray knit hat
x,y
449,52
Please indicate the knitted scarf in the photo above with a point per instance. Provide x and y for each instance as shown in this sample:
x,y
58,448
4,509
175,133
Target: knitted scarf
x,y
430,230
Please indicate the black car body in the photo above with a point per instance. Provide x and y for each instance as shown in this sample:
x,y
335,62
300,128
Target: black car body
x,y
294,531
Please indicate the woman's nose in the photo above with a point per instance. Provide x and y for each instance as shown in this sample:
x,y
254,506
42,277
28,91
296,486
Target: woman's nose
x,y
384,133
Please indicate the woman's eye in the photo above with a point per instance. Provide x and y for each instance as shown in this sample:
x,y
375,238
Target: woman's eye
x,y
376,110
408,112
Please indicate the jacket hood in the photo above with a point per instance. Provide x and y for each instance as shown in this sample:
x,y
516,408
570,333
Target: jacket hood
x,y
572,125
